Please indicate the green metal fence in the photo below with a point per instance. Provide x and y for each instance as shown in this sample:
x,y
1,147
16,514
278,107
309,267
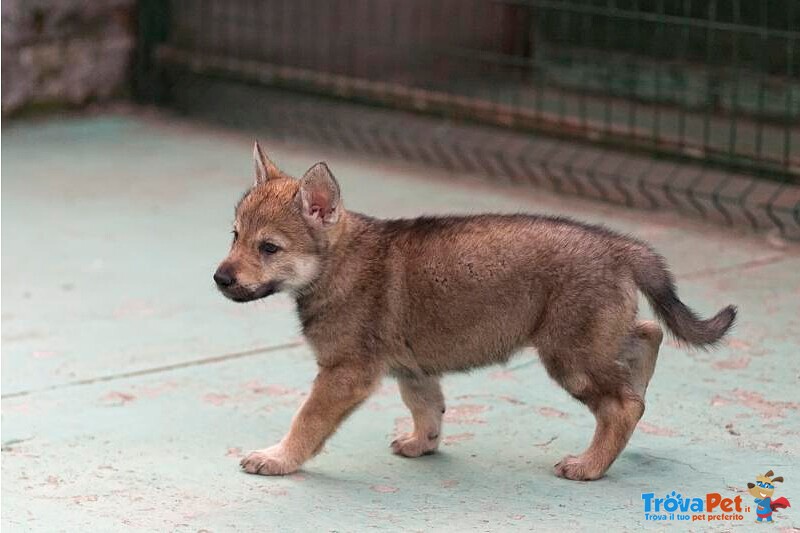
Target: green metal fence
x,y
710,82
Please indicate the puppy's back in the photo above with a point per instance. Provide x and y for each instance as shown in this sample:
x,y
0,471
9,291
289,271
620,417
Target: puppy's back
x,y
484,282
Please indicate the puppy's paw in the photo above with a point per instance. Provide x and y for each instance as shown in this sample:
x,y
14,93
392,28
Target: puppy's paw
x,y
413,445
578,468
272,461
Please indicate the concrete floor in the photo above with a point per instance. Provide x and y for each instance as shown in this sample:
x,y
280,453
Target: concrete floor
x,y
131,388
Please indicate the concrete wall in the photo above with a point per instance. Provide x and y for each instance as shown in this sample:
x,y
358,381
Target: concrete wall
x,y
65,52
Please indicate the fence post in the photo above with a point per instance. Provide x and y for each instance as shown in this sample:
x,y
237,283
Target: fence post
x,y
152,20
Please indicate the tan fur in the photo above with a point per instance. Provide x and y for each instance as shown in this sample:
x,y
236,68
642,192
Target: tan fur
x,y
417,298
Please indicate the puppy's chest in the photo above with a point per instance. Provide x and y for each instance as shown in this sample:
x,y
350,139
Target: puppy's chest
x,y
336,331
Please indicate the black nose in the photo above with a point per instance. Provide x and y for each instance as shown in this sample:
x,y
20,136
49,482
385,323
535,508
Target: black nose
x,y
224,277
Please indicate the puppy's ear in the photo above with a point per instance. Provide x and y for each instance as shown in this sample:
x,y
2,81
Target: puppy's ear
x,y
769,474
319,196
778,479
265,169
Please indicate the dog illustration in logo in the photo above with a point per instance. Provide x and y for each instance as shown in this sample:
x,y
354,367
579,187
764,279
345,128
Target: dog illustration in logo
x,y
763,489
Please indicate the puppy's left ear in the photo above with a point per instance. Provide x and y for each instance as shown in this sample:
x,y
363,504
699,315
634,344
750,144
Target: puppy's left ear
x,y
319,196
265,169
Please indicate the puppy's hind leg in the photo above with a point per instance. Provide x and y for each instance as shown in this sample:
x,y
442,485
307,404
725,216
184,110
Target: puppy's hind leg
x,y
598,379
616,415
423,396
614,390
640,354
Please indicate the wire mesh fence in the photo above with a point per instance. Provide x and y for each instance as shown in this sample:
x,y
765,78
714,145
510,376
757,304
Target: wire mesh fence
x,y
714,83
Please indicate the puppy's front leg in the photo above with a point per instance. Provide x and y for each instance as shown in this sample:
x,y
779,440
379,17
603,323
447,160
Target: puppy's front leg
x,y
423,396
337,391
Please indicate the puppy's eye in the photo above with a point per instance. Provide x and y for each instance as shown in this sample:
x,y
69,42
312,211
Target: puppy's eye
x,y
235,235
268,247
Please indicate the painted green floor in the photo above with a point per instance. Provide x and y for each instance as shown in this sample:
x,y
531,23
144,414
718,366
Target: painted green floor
x,y
131,388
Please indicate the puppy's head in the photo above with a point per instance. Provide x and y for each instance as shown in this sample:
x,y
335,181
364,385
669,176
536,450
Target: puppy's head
x,y
281,232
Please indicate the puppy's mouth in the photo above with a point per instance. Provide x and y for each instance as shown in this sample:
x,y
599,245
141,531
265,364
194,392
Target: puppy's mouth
x,y
763,494
240,294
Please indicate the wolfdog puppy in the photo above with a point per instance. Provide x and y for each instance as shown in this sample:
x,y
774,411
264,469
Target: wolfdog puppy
x,y
417,298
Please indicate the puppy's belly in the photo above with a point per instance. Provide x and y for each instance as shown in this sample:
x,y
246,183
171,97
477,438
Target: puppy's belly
x,y
455,353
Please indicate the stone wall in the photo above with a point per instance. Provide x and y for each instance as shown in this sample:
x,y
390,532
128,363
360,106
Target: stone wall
x,y
65,52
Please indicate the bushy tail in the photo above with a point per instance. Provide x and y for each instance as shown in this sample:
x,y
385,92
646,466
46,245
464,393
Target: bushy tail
x,y
655,281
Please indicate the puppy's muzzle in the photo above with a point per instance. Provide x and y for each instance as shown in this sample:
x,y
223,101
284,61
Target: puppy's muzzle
x,y
227,285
